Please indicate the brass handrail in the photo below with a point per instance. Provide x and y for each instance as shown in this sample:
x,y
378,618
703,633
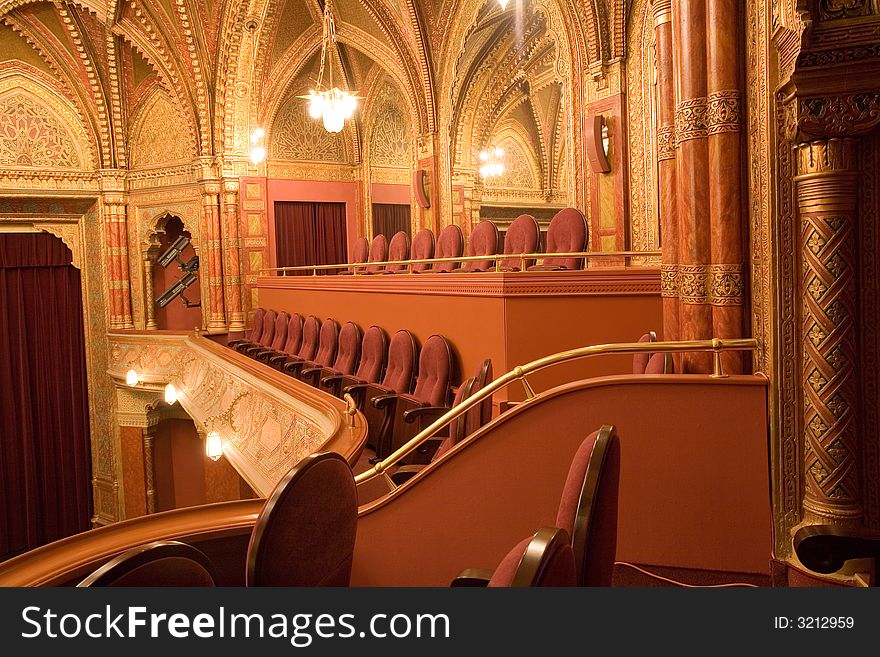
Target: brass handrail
x,y
496,257
716,345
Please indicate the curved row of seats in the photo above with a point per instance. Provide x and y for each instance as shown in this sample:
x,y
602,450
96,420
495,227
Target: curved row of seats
x,y
568,233
399,386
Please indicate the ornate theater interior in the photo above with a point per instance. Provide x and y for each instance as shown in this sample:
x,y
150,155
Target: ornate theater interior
x,y
439,293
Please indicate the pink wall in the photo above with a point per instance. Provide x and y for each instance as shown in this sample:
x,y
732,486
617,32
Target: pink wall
x,y
386,193
316,191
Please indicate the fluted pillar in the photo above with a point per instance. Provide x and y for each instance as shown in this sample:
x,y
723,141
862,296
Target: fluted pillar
x,y
723,121
827,199
211,263
692,180
232,257
149,293
114,207
666,166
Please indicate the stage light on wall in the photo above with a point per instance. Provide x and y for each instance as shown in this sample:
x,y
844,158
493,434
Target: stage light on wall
x,y
213,446
491,162
258,146
131,377
170,394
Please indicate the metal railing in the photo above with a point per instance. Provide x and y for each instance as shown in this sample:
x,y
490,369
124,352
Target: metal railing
x,y
716,346
359,268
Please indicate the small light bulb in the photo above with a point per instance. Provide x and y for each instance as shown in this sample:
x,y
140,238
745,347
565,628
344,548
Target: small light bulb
x,y
316,105
131,377
170,394
213,446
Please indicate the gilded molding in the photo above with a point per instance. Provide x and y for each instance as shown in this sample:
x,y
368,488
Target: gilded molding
x,y
723,113
666,143
690,119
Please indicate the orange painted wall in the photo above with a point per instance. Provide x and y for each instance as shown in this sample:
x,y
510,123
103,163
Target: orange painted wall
x,y
134,490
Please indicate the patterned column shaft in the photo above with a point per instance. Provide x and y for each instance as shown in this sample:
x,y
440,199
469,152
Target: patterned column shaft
x,y
692,178
723,120
666,167
149,294
118,279
232,257
212,265
826,193
149,470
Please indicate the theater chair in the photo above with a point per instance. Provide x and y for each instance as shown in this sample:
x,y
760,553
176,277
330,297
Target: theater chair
x,y
378,252
305,532
291,344
436,368
422,249
256,331
347,355
398,249
483,241
160,563
399,371
282,321
360,253
648,363
266,337
308,346
483,378
587,513
567,233
374,351
544,559
328,341
522,236
450,244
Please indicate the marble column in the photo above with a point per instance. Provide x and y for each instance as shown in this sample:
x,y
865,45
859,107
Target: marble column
x,y
211,264
114,207
232,256
149,469
149,293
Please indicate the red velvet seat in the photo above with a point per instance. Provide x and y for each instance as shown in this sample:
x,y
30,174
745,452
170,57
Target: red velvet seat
x,y
432,389
567,233
282,320
347,355
374,351
378,253
398,249
291,345
483,241
266,337
328,342
159,563
360,253
522,236
255,332
450,244
648,363
305,532
308,346
422,249
398,378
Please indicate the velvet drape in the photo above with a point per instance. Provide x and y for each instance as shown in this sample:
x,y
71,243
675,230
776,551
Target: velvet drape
x,y
390,218
309,234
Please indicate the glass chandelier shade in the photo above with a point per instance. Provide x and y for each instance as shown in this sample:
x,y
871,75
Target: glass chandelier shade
x,y
491,162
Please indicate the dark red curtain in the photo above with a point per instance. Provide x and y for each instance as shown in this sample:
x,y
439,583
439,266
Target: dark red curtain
x,y
310,234
45,461
390,218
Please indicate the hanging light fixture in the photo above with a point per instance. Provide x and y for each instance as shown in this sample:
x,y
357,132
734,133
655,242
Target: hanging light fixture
x,y
213,446
326,102
503,4
492,162
131,377
170,394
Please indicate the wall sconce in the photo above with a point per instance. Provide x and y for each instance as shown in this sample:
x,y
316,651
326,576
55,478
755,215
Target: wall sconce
x,y
213,440
213,446
258,147
599,145
170,394
131,377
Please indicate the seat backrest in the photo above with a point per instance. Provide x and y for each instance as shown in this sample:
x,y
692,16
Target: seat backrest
x,y
294,334
378,251
483,241
652,363
268,333
450,244
160,563
567,232
374,351
398,249
281,324
305,532
309,345
327,343
544,559
361,250
588,507
435,372
522,236
422,249
257,326
483,377
401,363
640,361
458,426
349,348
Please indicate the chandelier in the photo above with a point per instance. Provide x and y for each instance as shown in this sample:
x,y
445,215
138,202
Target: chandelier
x,y
327,102
491,162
